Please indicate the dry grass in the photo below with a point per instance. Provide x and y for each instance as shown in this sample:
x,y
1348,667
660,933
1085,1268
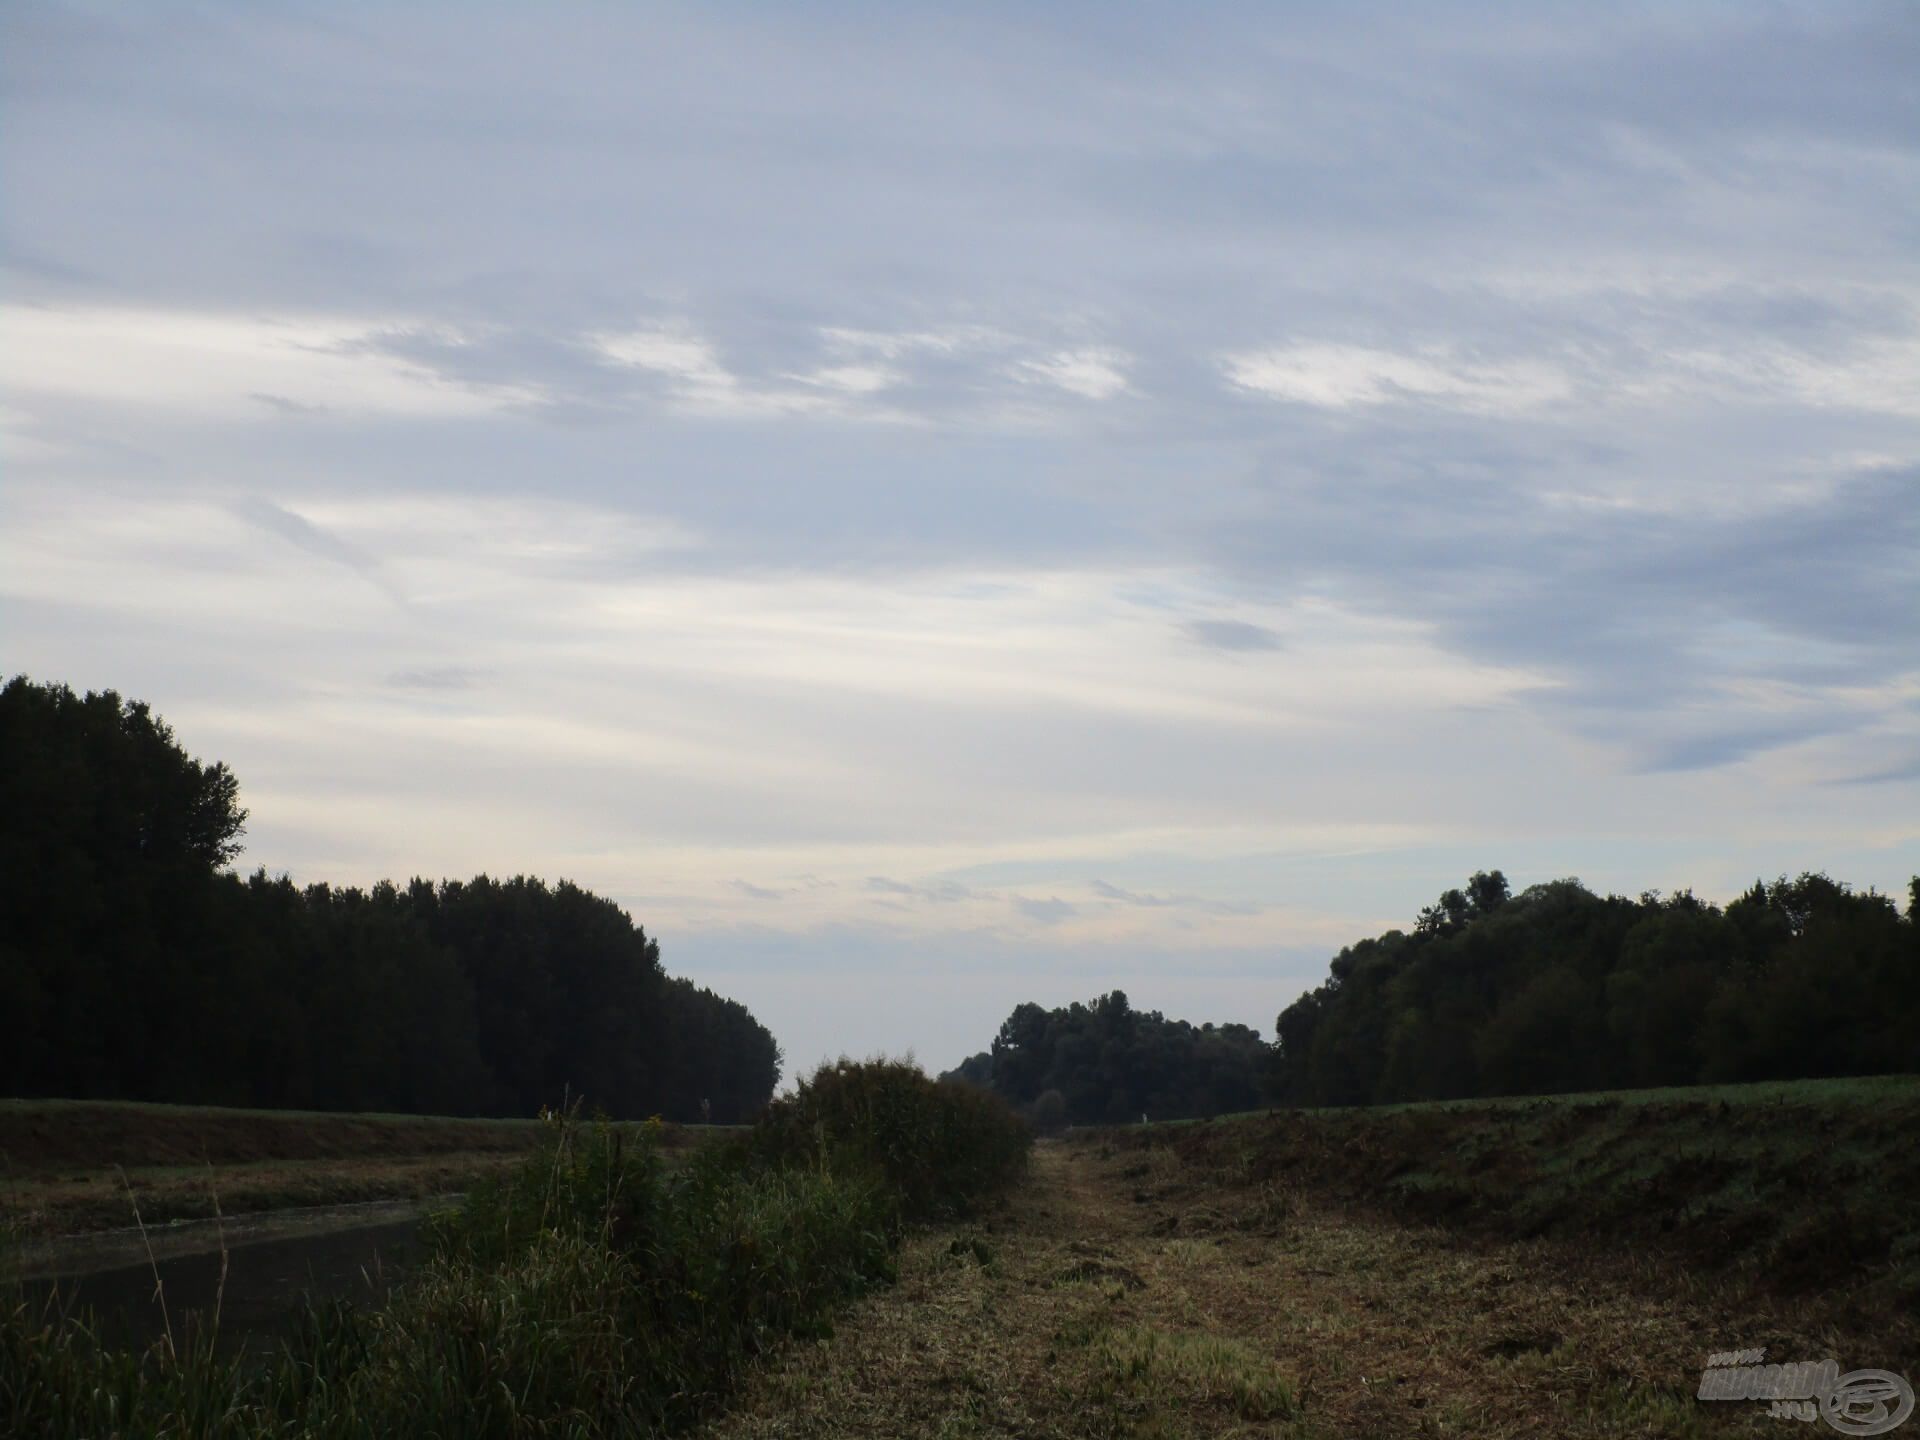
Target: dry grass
x,y
1104,1300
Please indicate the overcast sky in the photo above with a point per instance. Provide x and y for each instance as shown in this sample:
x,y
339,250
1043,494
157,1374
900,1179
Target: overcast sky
x,y
936,508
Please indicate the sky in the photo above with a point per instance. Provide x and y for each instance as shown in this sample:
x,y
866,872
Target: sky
x,y
937,507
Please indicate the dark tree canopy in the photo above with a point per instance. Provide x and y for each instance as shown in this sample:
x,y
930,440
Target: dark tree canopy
x,y
134,966
1106,1061
1560,989
1555,989
96,784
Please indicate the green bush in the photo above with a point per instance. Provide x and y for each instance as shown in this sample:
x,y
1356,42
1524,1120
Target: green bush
x,y
938,1146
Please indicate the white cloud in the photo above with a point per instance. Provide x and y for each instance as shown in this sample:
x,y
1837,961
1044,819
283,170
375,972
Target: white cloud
x,y
1097,373
1877,377
860,366
697,379
700,383
897,344
677,354
852,379
223,365
1341,377
483,532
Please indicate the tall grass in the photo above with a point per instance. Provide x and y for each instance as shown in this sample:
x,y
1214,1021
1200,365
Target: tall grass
x,y
595,1291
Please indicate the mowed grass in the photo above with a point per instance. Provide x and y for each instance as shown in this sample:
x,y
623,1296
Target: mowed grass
x,y
1799,1187
1558,1266
1099,1303
71,1167
1847,1091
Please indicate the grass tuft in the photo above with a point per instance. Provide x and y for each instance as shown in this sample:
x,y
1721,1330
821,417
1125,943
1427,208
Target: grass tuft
x,y
1179,1370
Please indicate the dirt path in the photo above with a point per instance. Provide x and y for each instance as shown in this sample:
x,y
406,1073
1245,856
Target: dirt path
x,y
1108,1298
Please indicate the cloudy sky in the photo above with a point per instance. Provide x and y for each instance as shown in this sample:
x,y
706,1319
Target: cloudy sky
x,y
939,507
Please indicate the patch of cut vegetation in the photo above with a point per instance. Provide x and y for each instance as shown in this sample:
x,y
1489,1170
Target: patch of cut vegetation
x,y
1794,1187
1373,1329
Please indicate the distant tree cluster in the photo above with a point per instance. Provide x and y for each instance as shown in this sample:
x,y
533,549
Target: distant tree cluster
x,y
134,965
1559,989
1107,1062
1555,989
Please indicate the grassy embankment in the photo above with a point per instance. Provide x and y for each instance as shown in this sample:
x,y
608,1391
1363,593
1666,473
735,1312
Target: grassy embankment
x,y
592,1290
1792,1186
68,1167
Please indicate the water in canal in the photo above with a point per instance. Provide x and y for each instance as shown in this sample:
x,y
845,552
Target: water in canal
x,y
267,1280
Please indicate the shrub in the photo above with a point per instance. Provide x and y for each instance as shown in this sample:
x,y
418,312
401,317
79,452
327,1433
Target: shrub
x,y
938,1146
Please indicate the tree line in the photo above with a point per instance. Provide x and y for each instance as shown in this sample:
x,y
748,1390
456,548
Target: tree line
x,y
134,964
1555,989
1104,1062
1559,989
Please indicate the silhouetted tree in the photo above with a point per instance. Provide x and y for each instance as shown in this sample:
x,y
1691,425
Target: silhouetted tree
x,y
1106,1061
133,965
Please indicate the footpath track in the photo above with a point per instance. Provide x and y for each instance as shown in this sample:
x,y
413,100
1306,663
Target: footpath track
x,y
1109,1297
